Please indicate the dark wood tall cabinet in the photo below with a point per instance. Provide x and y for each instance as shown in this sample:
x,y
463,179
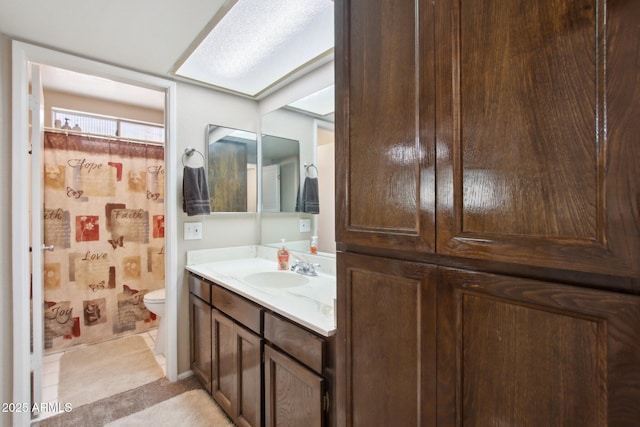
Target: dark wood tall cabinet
x,y
387,324
385,154
536,133
488,212
533,353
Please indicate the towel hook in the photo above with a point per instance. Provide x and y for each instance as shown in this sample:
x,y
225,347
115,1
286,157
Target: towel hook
x,y
188,152
307,167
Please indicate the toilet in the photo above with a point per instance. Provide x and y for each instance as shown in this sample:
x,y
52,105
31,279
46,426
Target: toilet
x,y
154,301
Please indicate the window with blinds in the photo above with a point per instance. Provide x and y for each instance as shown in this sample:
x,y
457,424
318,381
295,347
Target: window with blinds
x,y
107,126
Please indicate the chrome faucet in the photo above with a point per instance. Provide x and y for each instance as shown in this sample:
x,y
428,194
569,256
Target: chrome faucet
x,y
306,268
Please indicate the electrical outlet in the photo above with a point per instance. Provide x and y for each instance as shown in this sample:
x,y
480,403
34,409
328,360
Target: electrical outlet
x,y
305,225
192,230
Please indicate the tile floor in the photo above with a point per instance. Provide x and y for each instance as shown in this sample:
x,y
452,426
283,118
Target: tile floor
x,y
51,371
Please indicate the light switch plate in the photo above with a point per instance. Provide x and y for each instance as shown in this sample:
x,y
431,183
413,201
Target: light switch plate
x,y
305,225
192,230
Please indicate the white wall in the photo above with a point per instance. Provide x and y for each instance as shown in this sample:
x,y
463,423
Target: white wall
x,y
198,107
6,348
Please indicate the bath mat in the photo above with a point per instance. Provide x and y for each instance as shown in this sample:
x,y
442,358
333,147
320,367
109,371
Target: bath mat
x,y
193,408
97,371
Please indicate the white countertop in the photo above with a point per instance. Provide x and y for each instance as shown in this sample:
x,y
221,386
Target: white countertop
x,y
310,305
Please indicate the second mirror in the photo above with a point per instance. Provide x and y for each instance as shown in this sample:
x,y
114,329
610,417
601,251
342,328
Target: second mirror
x,y
280,174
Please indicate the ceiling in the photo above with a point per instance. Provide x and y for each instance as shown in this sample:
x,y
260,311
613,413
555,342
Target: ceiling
x,y
82,84
256,44
151,36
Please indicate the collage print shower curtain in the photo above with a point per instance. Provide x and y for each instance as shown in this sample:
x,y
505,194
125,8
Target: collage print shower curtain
x,y
104,215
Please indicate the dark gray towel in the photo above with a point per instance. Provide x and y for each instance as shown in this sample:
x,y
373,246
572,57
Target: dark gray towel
x,y
309,202
195,192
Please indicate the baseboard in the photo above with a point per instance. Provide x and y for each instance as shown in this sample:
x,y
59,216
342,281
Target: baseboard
x,y
184,375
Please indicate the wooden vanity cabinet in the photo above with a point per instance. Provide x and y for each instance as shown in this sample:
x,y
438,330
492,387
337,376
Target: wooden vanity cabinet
x,y
237,357
262,369
295,364
200,321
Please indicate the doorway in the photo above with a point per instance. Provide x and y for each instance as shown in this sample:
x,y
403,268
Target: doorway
x,y
104,207
27,357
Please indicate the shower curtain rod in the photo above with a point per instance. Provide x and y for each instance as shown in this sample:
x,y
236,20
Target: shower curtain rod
x,y
95,135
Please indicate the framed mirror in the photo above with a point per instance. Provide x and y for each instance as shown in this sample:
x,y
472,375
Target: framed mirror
x,y
314,132
280,173
232,158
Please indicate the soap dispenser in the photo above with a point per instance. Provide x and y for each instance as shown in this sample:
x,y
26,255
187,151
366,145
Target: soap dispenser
x,y
283,257
314,244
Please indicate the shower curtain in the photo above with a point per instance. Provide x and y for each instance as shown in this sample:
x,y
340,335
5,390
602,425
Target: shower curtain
x,y
104,215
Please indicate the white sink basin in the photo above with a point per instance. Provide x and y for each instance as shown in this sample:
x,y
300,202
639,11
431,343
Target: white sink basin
x,y
276,279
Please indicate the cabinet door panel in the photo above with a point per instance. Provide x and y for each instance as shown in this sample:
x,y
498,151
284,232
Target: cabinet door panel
x,y
224,375
201,340
532,171
293,393
386,342
384,143
532,353
249,407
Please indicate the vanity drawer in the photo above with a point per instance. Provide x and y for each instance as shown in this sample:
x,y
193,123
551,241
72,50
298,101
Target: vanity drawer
x,y
235,306
298,342
200,288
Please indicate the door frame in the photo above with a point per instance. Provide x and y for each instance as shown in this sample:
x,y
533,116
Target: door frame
x,y
22,55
